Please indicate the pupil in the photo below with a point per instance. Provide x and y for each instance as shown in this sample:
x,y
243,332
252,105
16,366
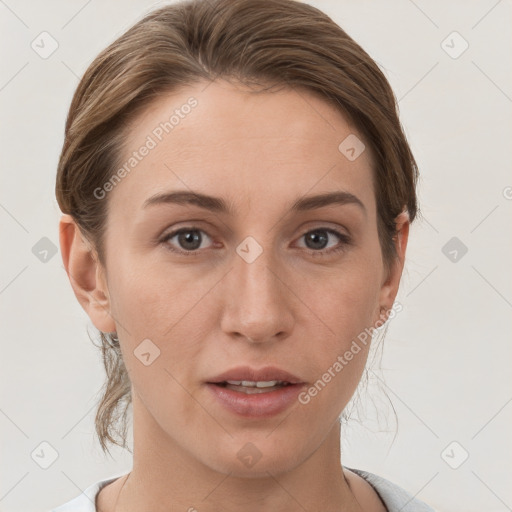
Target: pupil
x,y
187,238
314,237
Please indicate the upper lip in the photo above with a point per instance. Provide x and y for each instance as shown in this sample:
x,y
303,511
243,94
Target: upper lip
x,y
264,374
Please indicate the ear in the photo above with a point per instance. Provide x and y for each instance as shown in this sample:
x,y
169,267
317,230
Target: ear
x,y
389,287
86,274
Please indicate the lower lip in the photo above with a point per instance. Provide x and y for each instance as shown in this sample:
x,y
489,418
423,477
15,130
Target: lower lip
x,y
259,405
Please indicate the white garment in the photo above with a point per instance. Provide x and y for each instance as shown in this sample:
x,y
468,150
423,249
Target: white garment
x,y
393,496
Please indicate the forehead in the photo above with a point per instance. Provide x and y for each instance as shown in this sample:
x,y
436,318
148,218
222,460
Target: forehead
x,y
253,148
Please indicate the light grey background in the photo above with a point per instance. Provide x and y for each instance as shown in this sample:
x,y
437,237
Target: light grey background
x,y
446,363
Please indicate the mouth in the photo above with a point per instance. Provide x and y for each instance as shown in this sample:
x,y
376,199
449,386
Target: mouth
x,y
245,376
253,393
253,387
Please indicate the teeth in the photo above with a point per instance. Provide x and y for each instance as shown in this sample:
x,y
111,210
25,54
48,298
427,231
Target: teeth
x,y
258,384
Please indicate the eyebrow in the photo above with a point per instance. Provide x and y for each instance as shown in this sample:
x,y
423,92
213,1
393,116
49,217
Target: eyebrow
x,y
218,205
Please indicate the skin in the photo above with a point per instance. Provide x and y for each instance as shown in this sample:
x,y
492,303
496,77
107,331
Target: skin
x,y
260,152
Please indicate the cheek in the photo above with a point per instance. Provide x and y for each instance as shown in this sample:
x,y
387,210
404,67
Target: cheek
x,y
156,310
341,344
171,308
345,304
348,298
146,298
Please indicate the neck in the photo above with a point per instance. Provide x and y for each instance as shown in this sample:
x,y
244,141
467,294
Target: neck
x,y
165,477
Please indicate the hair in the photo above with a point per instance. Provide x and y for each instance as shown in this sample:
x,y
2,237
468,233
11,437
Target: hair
x,y
263,43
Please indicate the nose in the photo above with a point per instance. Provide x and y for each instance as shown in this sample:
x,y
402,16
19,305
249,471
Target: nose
x,y
257,303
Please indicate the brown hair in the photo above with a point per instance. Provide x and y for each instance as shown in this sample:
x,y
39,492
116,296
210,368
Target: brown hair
x,y
262,42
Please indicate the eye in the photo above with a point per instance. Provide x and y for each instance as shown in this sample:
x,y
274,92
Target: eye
x,y
317,239
189,239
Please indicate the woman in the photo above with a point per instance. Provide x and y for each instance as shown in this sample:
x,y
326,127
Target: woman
x,y
237,192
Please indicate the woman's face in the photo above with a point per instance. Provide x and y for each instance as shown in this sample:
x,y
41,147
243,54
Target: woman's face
x,y
254,284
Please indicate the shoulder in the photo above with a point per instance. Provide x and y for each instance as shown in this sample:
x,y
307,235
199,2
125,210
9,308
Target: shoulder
x,y
86,501
392,495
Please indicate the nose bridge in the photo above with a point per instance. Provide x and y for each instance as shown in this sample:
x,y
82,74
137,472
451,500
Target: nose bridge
x,y
257,304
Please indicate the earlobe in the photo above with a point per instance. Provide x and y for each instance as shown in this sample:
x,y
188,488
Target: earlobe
x,y
86,274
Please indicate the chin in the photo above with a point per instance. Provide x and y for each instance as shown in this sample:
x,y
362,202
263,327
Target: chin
x,y
253,456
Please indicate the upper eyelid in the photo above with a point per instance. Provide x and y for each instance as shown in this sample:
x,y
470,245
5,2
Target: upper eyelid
x,y
196,227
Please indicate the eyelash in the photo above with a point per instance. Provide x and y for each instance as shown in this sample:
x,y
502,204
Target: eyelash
x,y
345,240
